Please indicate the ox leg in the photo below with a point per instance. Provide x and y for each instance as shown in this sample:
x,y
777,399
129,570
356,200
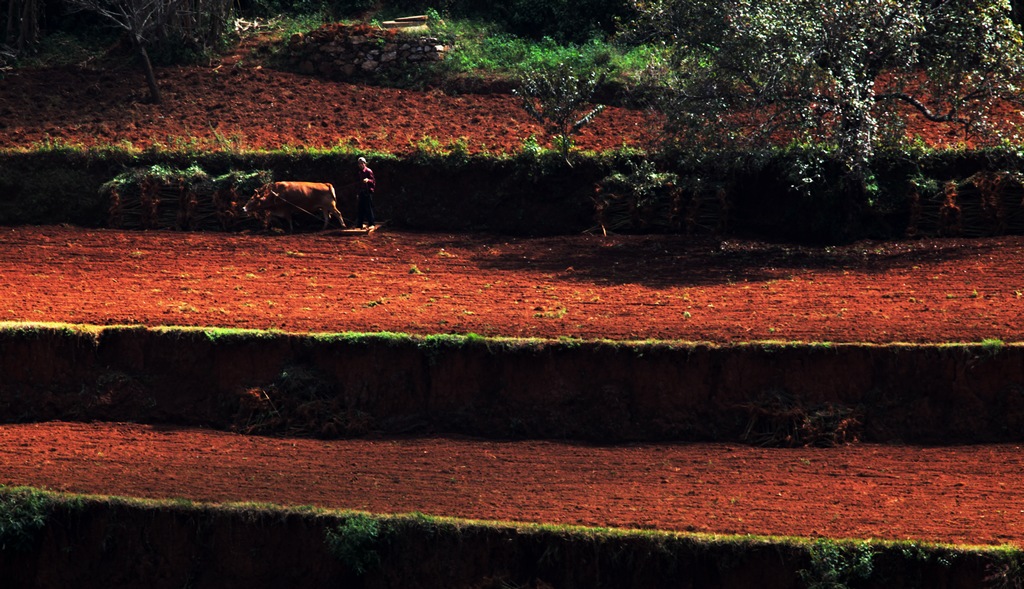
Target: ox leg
x,y
331,212
334,207
336,213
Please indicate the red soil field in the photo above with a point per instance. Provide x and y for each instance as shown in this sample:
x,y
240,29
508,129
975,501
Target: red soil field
x,y
968,494
237,103
578,286
591,287
252,107
585,286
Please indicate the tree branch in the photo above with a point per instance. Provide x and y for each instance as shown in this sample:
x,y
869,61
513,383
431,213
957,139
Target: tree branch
x,y
949,117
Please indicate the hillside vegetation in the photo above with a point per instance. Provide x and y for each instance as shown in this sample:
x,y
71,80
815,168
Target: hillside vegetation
x,y
856,115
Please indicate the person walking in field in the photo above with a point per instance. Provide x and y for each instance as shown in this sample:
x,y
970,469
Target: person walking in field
x,y
369,184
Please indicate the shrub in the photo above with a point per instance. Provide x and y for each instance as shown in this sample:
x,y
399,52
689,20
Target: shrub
x,y
636,200
23,515
354,543
558,98
836,566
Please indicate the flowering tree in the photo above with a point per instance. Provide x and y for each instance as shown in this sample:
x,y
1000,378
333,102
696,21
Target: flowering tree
x,y
833,73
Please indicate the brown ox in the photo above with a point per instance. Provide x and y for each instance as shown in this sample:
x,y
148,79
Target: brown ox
x,y
283,199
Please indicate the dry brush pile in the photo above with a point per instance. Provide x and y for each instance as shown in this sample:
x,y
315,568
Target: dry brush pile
x,y
182,199
984,204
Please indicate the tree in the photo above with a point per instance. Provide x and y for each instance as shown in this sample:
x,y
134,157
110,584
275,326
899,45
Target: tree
x,y
559,99
22,30
139,18
834,73
199,23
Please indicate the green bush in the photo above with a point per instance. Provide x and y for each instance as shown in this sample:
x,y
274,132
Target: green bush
x,y
354,543
482,46
838,566
23,515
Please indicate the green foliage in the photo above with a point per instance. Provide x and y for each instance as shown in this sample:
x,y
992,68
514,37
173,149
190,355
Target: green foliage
x,y
435,346
567,21
428,150
559,98
193,177
531,147
355,541
23,515
356,338
639,198
838,566
992,345
924,184
486,47
231,334
55,145
442,341
280,26
157,174
245,183
643,180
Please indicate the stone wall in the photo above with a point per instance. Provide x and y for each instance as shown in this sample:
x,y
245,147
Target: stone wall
x,y
342,52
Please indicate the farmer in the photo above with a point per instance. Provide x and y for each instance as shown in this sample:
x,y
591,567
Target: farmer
x,y
369,184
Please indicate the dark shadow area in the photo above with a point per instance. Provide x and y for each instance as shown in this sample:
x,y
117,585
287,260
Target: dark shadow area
x,y
671,260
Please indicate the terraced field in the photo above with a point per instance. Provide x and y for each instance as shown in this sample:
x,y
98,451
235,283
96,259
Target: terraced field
x,y
619,288
566,291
